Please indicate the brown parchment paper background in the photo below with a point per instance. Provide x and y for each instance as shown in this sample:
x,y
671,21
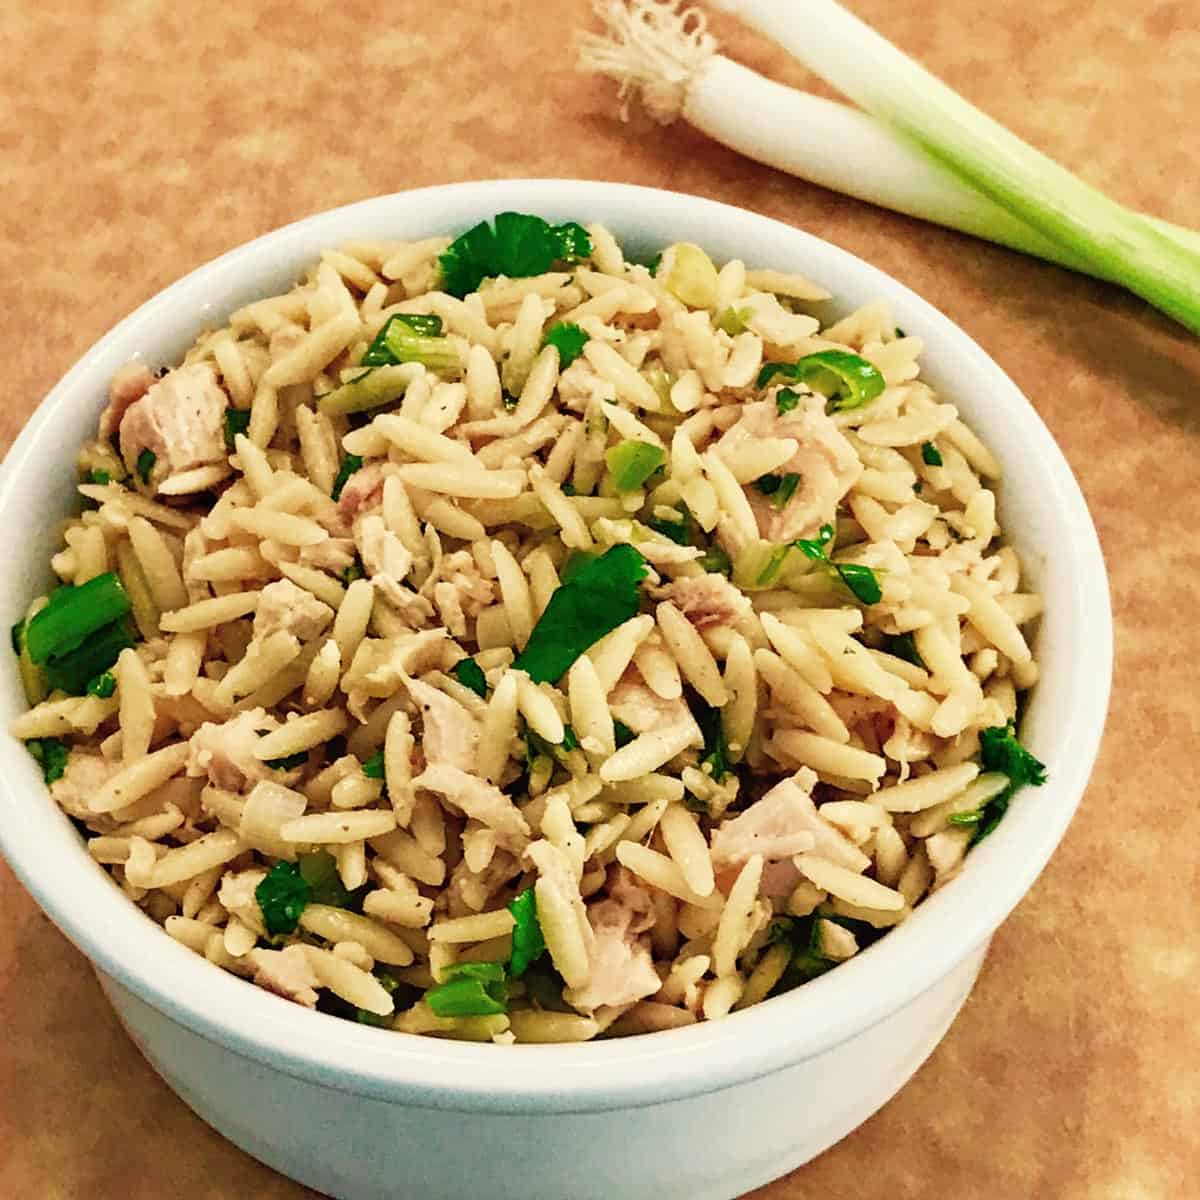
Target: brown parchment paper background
x,y
140,139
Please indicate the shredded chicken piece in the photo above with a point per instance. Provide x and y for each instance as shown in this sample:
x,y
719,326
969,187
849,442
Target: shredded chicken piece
x,y
461,593
129,384
236,895
287,973
826,463
334,554
451,733
479,799
225,752
84,775
284,606
707,600
385,558
469,891
633,703
180,420
622,968
363,491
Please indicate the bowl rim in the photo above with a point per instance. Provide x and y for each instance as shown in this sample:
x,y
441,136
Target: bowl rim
x,y
124,943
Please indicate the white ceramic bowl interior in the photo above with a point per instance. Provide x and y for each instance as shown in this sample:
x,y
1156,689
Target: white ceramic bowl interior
x,y
185,1011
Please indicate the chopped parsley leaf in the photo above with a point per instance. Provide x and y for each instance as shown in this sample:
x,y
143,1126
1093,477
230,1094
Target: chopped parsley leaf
x,y
372,767
904,646
715,561
716,749
290,762
17,637
470,674
1000,751
282,896
52,754
102,685
779,488
601,595
568,489
237,420
100,477
623,734
514,244
350,464
568,339
931,456
145,464
319,872
354,571
528,944
786,400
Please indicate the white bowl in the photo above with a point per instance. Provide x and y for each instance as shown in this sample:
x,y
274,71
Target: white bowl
x,y
703,1112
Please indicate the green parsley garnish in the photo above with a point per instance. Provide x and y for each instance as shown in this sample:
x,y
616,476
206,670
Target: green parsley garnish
x,y
847,380
290,762
350,464
100,477
631,463
678,532
237,420
716,749
470,674
779,488
803,936
470,990
862,581
931,456
145,464
601,595
568,339
354,571
623,734
372,767
51,754
528,944
786,400
1000,751
102,685
319,873
515,245
904,646
282,896
16,636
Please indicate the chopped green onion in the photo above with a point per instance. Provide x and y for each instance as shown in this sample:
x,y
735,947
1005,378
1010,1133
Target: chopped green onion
x,y
470,990
693,277
514,244
51,754
470,674
847,380
600,596
103,685
99,477
379,352
677,531
73,671
931,456
74,614
780,488
715,561
786,400
319,871
733,320
145,464
282,896
966,818
350,464
528,944
374,388
816,549
632,463
568,339
861,580
372,767
237,420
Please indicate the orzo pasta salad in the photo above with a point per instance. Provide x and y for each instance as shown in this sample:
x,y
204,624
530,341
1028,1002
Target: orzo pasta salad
x,y
497,639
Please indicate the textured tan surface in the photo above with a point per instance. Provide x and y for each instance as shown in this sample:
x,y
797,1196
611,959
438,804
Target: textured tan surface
x,y
140,138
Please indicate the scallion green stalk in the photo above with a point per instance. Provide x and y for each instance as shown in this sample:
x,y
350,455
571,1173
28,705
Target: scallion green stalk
x,y
72,615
